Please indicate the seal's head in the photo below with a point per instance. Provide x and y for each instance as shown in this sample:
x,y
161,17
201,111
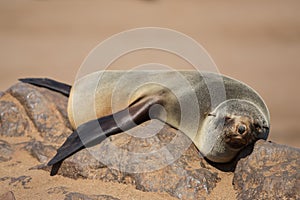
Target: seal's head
x,y
233,125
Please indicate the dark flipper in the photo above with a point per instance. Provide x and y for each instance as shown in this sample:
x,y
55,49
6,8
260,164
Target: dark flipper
x,y
90,133
50,84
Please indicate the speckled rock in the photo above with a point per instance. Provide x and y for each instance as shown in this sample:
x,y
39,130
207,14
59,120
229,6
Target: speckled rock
x,y
40,151
6,151
13,122
45,109
178,182
272,171
79,196
8,196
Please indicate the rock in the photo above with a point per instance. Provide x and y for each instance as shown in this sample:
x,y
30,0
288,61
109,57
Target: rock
x,y
8,196
82,165
13,121
61,103
40,151
272,171
6,151
190,184
79,196
129,161
43,108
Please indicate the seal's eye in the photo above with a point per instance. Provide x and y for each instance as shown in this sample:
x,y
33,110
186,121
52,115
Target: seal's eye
x,y
241,129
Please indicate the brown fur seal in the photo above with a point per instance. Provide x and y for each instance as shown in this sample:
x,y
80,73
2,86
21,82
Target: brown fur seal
x,y
219,127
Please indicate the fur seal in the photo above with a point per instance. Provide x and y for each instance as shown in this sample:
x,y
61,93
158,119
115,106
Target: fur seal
x,y
224,128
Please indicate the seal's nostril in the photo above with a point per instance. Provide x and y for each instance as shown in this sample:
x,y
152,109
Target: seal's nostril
x,y
241,129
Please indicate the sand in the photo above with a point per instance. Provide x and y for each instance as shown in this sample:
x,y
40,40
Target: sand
x,y
253,41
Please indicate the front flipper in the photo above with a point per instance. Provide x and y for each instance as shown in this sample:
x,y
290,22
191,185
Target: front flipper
x,y
95,131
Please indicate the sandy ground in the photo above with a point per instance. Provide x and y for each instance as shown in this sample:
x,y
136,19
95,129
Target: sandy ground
x,y
257,42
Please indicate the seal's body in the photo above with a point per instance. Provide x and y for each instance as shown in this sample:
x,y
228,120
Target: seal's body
x,y
221,115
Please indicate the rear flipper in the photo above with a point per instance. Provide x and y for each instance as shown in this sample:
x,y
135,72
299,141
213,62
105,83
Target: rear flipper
x,y
95,131
50,84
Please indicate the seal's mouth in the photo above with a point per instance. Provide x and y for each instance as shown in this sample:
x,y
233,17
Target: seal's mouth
x,y
236,142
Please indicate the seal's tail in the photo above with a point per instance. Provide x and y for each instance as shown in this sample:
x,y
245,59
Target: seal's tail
x,y
50,84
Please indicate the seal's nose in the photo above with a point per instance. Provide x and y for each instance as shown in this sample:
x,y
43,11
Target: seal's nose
x,y
241,129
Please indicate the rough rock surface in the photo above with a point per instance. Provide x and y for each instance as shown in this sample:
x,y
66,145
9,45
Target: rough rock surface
x,y
39,150
272,171
13,121
26,107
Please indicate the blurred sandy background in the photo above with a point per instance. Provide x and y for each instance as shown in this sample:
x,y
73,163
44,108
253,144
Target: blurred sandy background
x,y
256,41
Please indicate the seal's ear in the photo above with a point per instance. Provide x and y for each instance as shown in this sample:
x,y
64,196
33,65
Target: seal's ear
x,y
95,131
227,118
261,130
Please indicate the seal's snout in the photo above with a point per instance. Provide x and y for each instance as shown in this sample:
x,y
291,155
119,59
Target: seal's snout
x,y
238,132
